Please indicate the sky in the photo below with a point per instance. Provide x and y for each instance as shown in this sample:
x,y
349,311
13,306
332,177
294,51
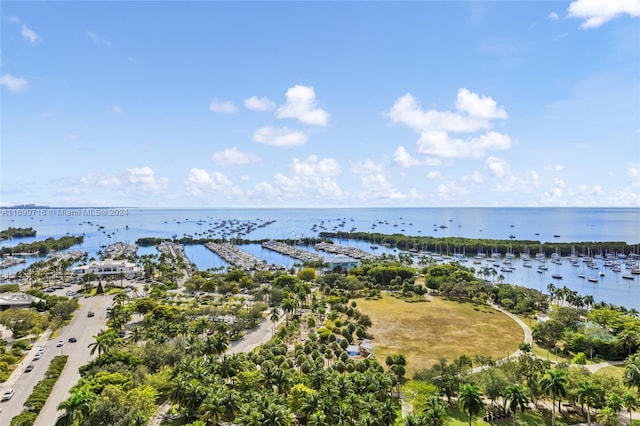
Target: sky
x,y
320,104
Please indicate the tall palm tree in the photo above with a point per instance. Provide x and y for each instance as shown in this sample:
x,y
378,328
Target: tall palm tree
x,y
104,341
630,403
76,407
470,400
589,394
514,397
211,408
274,316
631,375
554,383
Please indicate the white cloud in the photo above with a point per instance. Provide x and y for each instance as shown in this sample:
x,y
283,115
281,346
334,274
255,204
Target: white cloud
x,y
310,178
313,167
29,34
301,105
474,114
14,84
116,109
225,107
282,136
97,39
498,167
233,156
367,166
595,13
259,104
475,177
434,174
145,178
200,182
74,137
441,145
553,16
478,106
403,158
450,191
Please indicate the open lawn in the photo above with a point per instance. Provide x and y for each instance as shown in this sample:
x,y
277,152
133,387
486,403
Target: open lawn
x,y
615,371
427,331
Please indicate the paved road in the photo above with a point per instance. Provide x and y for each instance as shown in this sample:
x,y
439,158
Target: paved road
x,y
83,328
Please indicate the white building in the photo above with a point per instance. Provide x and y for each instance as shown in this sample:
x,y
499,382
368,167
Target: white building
x,y
109,267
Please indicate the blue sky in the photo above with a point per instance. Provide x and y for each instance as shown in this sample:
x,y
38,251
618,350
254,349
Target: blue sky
x,y
252,104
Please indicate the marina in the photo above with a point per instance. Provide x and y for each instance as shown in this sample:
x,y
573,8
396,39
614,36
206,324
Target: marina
x,y
239,235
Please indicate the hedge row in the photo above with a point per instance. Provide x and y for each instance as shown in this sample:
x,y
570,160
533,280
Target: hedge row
x,y
40,393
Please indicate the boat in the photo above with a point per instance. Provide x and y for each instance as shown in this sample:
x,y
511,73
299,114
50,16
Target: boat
x,y
581,275
592,280
556,276
628,277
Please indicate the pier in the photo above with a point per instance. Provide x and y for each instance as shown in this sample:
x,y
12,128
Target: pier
x,y
121,249
236,257
10,261
294,252
352,252
175,253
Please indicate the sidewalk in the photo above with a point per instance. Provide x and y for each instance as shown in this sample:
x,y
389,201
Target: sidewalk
x,y
19,370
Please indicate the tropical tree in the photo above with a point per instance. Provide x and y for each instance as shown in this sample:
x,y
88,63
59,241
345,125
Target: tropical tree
x,y
470,400
589,394
76,407
104,341
631,377
274,316
554,383
608,417
434,412
514,397
630,403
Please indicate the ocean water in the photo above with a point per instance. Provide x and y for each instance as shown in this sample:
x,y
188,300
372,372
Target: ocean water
x,y
102,226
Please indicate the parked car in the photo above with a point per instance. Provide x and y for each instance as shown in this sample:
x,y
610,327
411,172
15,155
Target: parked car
x,y
8,394
29,368
37,356
73,339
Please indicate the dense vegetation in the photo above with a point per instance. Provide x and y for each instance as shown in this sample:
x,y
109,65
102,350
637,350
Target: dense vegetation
x,y
471,246
9,233
45,246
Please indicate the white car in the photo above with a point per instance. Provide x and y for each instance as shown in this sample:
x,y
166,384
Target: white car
x,y
8,394
60,343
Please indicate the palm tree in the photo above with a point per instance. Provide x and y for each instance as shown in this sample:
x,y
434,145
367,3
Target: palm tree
x,y
608,417
104,341
211,408
514,397
631,377
76,407
630,402
554,383
589,394
274,316
470,400
434,412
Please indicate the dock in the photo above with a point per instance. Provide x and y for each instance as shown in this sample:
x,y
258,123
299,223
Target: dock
x,y
236,257
352,252
121,249
292,251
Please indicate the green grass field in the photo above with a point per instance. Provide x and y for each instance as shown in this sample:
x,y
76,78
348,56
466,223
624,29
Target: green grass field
x,y
425,332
